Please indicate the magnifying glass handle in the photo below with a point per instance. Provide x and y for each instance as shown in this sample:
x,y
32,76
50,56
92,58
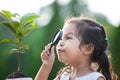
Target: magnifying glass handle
x,y
51,47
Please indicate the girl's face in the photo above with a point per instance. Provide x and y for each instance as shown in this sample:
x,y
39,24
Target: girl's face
x,y
68,50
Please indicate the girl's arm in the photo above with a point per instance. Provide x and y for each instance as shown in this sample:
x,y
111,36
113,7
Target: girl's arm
x,y
101,78
47,57
43,73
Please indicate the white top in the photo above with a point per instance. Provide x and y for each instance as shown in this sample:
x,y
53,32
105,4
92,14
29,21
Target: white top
x,y
90,76
20,79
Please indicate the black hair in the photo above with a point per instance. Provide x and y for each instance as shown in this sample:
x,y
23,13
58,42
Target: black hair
x,y
91,32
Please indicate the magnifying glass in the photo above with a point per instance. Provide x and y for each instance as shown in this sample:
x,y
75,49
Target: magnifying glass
x,y
57,36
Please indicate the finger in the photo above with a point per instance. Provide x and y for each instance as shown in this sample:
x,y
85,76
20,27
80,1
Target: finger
x,y
45,52
48,46
44,55
52,49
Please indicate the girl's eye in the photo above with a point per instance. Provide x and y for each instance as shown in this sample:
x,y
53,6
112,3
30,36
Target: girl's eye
x,y
68,38
60,38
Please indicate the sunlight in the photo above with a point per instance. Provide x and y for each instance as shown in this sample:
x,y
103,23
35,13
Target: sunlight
x,y
23,6
110,8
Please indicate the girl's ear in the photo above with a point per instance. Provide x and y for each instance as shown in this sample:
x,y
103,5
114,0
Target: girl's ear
x,y
88,48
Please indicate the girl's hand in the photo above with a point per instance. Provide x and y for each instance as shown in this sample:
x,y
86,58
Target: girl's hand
x,y
48,56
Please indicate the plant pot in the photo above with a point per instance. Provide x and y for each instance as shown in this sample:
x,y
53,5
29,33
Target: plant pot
x,y
20,78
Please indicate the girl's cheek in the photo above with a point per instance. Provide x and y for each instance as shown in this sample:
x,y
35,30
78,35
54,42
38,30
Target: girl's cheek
x,y
58,44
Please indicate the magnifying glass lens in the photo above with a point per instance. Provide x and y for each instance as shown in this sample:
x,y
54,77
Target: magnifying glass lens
x,y
56,37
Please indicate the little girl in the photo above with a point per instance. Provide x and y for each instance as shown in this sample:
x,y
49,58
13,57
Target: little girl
x,y
83,44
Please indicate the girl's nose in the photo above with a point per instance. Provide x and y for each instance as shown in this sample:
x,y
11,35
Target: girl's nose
x,y
61,43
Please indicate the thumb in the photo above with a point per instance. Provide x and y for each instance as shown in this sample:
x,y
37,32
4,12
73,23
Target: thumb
x,y
51,56
52,51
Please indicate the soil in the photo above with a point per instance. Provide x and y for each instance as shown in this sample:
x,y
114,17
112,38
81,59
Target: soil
x,y
16,75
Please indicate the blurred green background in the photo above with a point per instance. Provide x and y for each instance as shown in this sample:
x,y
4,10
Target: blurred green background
x,y
38,38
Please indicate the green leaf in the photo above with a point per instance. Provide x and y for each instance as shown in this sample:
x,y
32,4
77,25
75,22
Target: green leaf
x,y
15,14
28,17
32,23
7,40
13,51
27,25
15,25
7,13
25,47
22,51
8,24
3,16
29,29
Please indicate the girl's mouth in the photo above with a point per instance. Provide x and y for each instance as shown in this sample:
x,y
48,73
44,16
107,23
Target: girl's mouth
x,y
60,50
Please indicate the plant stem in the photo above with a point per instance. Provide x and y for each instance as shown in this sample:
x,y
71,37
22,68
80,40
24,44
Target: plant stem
x,y
19,59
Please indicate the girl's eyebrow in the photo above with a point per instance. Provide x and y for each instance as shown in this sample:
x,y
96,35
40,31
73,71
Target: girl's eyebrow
x,y
71,33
